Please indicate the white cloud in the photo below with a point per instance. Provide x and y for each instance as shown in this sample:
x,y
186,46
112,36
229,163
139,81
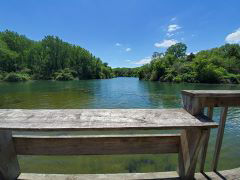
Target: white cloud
x,y
233,37
173,27
174,18
166,43
143,61
170,34
118,44
128,60
128,49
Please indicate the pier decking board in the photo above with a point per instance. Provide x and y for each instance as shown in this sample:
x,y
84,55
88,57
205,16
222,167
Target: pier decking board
x,y
100,119
232,174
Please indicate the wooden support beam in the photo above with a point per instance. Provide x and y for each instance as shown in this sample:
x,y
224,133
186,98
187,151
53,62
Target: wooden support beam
x,y
9,167
97,145
192,141
219,138
192,105
203,152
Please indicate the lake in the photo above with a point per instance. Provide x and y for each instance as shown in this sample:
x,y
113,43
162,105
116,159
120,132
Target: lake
x,y
114,93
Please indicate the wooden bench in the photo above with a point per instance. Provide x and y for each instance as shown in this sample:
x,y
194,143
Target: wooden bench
x,y
187,144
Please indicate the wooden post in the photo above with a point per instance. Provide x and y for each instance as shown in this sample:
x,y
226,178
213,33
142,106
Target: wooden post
x,y
203,152
9,167
192,105
191,142
219,138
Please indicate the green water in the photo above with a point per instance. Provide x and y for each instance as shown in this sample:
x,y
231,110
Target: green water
x,y
114,93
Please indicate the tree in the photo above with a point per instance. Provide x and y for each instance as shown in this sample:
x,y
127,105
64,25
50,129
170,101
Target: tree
x,y
178,50
190,57
48,57
157,55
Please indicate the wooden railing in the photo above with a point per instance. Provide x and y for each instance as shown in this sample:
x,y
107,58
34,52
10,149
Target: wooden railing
x,y
188,144
195,101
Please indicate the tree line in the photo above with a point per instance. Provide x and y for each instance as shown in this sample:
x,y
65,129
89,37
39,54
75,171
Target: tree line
x,y
217,65
125,72
49,59
53,59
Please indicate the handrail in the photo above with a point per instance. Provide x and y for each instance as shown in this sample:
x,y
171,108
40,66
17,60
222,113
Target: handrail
x,y
194,101
192,141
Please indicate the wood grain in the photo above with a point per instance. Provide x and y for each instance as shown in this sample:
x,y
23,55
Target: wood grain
x,y
192,140
100,119
212,93
96,145
232,174
219,138
203,152
9,167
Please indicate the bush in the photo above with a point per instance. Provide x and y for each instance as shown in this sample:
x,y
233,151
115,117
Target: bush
x,y
26,71
16,77
102,75
154,76
211,74
167,78
177,79
64,75
189,77
232,78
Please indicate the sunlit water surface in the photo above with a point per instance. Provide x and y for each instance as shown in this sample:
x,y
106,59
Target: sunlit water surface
x,y
114,93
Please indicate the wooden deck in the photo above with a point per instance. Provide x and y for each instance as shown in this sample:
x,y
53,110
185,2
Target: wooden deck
x,y
232,174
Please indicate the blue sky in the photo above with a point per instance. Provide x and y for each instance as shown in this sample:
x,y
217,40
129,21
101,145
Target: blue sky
x,y
125,33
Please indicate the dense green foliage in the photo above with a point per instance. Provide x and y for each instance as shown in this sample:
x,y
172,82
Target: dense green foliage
x,y
218,65
16,77
125,72
50,58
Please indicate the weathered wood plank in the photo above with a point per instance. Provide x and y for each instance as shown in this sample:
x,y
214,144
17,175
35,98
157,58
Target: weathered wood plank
x,y
9,168
210,112
203,152
212,98
219,101
97,145
212,93
100,119
231,174
192,140
192,105
219,138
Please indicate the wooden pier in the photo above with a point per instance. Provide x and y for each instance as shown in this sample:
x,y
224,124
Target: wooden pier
x,y
189,144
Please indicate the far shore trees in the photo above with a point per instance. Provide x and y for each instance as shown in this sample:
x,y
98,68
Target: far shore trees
x,y
22,59
49,59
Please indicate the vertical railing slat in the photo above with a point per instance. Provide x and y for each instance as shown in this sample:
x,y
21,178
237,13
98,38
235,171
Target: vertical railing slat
x,y
219,140
203,153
